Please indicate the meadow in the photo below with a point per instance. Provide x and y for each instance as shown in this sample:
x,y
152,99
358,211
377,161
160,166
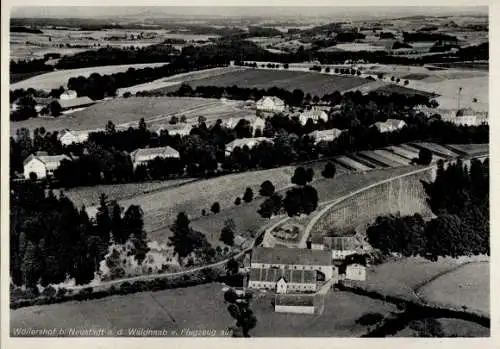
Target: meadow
x,y
309,82
122,111
59,78
451,328
199,308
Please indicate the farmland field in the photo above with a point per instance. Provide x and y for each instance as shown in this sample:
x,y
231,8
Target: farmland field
x,y
123,110
199,307
58,78
309,82
467,286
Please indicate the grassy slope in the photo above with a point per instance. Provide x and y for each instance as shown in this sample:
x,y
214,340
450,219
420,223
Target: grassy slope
x,y
309,82
198,307
58,78
120,110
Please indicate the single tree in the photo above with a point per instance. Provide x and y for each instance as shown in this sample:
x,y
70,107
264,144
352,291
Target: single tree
x,y
248,195
55,108
215,207
424,156
299,177
237,201
227,232
266,188
329,170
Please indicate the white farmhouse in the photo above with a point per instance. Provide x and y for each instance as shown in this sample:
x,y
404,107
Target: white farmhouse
x,y
143,156
69,94
390,125
180,129
249,142
467,117
313,114
270,104
42,165
325,135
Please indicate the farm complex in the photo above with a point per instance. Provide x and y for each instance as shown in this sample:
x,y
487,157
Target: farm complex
x,y
250,177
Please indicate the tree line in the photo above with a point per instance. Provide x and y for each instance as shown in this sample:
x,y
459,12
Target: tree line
x,y
459,197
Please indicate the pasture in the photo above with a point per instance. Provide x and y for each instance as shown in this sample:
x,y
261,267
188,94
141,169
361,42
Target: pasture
x,y
59,78
451,328
309,82
467,286
199,308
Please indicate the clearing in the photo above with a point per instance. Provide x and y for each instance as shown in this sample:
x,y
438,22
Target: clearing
x,y
309,82
466,287
59,78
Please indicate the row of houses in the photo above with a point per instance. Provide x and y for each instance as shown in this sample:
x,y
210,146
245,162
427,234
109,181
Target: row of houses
x,y
43,165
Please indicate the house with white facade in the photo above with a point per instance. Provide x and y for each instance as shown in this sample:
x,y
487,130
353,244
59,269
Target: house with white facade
x,y
67,137
355,272
270,104
249,142
42,165
466,117
340,246
325,135
145,155
69,94
75,103
293,259
180,129
313,114
282,280
390,125
255,122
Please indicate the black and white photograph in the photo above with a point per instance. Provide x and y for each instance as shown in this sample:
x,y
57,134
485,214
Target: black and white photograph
x,y
252,171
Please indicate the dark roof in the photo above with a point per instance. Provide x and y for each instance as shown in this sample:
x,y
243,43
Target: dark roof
x,y
294,300
291,256
341,243
290,275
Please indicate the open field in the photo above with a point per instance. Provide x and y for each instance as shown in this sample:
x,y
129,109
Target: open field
x,y
468,286
309,82
199,308
399,278
58,78
177,79
471,149
89,196
452,328
122,111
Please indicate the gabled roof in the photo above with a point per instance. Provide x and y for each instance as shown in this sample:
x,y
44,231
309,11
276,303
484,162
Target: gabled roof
x,y
159,151
274,99
241,142
75,102
291,256
335,132
47,160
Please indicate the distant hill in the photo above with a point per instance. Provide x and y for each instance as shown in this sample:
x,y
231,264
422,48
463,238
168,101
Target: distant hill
x,y
17,29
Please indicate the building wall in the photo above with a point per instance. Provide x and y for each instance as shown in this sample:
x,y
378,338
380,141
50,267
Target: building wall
x,y
355,273
325,269
337,254
294,309
37,167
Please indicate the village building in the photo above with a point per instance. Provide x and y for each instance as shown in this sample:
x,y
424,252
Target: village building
x,y
313,114
282,280
75,103
390,125
249,142
295,304
466,117
293,259
145,155
354,268
340,246
325,135
42,165
255,122
180,129
67,137
69,94
270,104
